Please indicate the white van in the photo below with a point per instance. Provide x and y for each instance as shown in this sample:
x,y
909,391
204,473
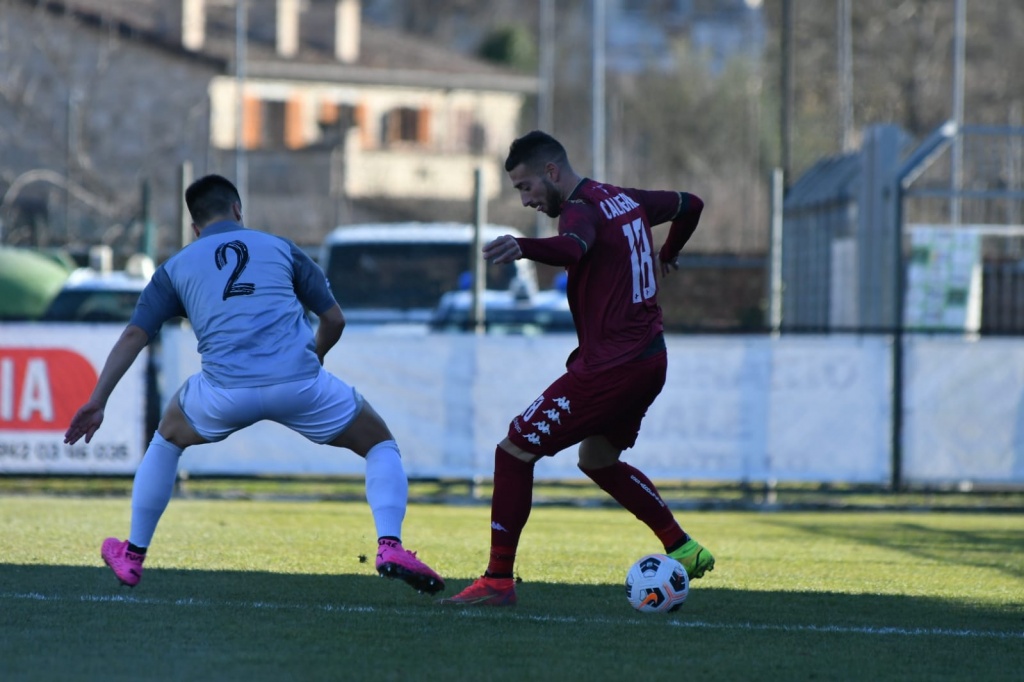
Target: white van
x,y
384,273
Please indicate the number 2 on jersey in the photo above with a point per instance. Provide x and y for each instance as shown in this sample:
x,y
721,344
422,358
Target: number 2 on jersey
x,y
644,282
220,257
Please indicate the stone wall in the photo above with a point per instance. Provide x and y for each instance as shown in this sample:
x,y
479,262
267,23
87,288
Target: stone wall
x,y
106,111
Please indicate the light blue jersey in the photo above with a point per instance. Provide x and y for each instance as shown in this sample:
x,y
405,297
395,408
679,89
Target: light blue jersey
x,y
243,292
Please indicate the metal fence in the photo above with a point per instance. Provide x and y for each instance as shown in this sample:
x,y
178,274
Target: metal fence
x,y
904,238
848,227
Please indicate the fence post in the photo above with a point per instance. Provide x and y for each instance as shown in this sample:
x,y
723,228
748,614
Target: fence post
x,y
775,258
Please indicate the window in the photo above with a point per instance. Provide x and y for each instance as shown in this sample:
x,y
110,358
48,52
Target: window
x,y
470,135
405,126
334,120
264,124
406,275
272,130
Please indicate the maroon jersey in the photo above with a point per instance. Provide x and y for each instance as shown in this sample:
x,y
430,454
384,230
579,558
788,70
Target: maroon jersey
x,y
613,286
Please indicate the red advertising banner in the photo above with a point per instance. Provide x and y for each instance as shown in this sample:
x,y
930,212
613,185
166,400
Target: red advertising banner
x,y
46,372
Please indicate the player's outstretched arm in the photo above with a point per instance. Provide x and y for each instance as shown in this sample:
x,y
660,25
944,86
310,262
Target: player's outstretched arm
x,y
504,249
560,250
90,415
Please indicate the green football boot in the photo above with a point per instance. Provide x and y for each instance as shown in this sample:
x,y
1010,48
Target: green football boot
x,y
695,559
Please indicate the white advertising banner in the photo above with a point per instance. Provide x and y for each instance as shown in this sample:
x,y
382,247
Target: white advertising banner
x,y
760,408
448,400
831,410
746,408
964,411
734,408
46,372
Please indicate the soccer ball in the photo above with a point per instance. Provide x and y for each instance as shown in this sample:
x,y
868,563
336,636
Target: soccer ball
x,y
657,583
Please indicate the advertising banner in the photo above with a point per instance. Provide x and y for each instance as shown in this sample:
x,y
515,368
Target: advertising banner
x,y
964,419
46,372
733,408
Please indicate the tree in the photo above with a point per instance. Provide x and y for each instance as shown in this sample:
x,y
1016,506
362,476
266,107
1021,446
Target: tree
x,y
510,46
902,66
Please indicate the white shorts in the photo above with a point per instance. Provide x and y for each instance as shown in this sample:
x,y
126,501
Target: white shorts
x,y
319,408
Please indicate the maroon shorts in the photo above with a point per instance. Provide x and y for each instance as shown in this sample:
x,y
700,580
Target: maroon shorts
x,y
610,403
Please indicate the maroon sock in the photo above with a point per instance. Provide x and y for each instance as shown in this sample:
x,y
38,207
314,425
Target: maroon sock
x,y
510,508
634,491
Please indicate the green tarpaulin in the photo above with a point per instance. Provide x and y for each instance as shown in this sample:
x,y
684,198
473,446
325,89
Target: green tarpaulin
x,y
28,282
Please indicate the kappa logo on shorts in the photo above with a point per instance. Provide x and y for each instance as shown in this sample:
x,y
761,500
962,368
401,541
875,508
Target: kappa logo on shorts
x,y
553,415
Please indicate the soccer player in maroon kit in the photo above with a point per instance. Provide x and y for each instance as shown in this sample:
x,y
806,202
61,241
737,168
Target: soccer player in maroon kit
x,y
604,242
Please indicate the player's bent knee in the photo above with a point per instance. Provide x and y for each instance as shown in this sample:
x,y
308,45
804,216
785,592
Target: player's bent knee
x,y
587,465
176,429
517,452
597,453
366,430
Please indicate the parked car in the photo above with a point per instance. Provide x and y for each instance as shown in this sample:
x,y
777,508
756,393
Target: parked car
x,y
512,311
395,273
100,295
96,296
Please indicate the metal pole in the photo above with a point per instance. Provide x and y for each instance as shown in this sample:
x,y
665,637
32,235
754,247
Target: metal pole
x,y
1013,163
845,59
786,90
184,219
895,189
241,40
775,263
597,90
479,321
74,97
148,226
545,98
957,158
898,351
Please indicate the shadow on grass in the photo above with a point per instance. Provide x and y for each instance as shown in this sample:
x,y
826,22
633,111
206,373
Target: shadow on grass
x,y
187,624
983,548
186,594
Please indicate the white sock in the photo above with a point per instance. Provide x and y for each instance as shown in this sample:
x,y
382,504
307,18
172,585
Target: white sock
x,y
152,489
387,488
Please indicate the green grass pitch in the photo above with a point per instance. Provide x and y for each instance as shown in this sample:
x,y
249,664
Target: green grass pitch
x,y
286,590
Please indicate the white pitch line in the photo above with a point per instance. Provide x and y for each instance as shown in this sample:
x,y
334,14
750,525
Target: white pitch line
x,y
854,630
692,624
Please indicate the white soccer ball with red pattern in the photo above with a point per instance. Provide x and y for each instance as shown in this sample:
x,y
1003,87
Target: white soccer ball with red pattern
x,y
657,583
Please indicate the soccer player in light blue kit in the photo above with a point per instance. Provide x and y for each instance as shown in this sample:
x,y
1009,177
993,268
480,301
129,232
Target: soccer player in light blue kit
x,y
243,292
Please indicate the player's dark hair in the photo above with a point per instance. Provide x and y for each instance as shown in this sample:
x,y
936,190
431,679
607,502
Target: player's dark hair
x,y
209,197
534,149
